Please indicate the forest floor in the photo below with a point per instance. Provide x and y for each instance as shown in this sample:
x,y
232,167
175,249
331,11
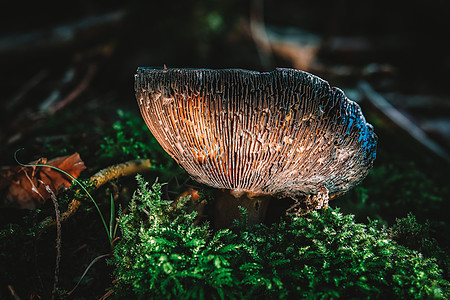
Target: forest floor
x,y
67,87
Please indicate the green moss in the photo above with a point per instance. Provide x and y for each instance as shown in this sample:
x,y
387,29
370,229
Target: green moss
x,y
323,255
394,189
410,233
129,139
162,255
17,242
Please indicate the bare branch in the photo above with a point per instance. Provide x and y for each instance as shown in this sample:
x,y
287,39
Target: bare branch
x,y
99,179
401,120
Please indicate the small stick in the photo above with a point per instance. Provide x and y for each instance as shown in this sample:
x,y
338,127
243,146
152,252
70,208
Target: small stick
x,y
99,179
402,121
106,296
85,272
13,292
120,170
58,237
80,88
259,34
61,36
25,89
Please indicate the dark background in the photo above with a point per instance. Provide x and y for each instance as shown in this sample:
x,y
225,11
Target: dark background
x,y
406,44
66,67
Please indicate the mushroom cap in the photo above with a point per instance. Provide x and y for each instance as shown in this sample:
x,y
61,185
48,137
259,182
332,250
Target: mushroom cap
x,y
285,133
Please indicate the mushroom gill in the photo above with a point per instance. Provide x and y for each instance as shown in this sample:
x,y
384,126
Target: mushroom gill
x,y
281,134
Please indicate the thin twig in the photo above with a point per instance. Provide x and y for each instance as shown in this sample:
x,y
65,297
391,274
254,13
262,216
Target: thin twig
x,y
85,271
64,35
99,179
26,88
402,121
120,170
58,237
259,34
13,292
106,296
80,88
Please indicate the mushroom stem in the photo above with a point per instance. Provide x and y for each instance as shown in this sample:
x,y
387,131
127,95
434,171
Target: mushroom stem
x,y
227,203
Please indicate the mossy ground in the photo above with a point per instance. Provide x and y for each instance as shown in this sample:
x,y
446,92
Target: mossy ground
x,y
322,255
326,254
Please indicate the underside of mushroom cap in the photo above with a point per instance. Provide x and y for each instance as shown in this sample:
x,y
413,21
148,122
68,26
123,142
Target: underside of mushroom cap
x,y
285,133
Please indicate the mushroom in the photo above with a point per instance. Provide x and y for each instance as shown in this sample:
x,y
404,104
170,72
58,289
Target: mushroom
x,y
258,136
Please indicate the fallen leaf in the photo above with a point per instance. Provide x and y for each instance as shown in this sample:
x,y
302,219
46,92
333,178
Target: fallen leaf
x,y
189,192
25,186
195,202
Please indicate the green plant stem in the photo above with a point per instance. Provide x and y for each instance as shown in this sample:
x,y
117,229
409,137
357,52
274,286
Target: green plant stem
x,y
100,178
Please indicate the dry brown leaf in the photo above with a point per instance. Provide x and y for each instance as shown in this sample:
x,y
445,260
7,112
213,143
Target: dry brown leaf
x,y
189,192
195,202
25,186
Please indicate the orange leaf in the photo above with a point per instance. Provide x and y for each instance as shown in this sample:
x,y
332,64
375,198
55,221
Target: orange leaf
x,y
26,185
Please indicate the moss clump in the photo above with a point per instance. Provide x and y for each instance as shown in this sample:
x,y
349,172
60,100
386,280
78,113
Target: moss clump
x,y
410,233
396,188
129,139
323,255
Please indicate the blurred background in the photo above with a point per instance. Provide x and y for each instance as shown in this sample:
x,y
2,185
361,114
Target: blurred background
x,y
56,56
67,68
